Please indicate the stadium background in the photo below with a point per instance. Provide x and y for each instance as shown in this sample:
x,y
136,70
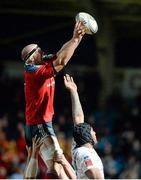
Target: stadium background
x,y
105,66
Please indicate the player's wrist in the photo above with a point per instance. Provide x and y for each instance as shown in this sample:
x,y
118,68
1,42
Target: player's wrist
x,y
76,39
73,91
63,161
34,155
64,164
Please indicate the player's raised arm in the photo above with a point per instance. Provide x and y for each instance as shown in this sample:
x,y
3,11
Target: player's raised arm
x,y
67,50
77,111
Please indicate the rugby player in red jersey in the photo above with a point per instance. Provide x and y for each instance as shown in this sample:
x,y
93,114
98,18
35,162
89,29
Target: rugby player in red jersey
x,y
40,71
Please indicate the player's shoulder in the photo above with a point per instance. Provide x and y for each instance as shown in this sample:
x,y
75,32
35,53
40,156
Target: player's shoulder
x,y
83,151
31,67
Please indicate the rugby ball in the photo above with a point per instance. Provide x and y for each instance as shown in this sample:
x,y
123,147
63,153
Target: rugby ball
x,y
88,21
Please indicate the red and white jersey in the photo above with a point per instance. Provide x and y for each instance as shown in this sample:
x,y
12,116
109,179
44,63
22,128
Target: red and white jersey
x,y
39,92
83,159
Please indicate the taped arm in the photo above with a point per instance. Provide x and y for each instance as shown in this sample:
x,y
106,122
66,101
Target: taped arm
x,y
32,167
31,170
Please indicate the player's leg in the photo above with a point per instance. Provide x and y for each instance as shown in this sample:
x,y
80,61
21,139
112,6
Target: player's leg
x,y
47,150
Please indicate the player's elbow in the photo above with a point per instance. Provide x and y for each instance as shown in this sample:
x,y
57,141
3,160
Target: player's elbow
x,y
59,64
62,62
63,59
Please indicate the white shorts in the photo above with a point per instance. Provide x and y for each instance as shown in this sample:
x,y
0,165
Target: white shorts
x,y
48,148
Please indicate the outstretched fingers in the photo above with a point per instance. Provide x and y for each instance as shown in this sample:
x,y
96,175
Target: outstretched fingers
x,y
80,28
37,142
68,78
72,79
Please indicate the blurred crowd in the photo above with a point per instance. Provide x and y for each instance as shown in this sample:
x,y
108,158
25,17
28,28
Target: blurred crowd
x,y
117,124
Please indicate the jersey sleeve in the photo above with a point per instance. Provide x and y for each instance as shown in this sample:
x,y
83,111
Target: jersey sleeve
x,y
47,70
87,161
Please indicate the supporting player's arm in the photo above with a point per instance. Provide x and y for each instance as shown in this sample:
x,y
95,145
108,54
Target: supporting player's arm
x,y
67,50
32,166
28,158
60,158
77,111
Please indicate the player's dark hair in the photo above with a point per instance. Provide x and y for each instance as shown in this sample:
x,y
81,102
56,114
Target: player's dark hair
x,y
82,134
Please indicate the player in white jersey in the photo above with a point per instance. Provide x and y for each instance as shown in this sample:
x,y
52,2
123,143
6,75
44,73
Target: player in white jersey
x,y
85,159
